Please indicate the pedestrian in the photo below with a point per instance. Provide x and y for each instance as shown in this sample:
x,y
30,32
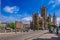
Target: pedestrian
x,y
57,30
15,30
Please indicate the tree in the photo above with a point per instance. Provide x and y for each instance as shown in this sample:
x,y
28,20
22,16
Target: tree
x,y
1,27
38,26
12,25
49,24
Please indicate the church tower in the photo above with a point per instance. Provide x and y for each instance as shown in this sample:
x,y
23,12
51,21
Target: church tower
x,y
44,12
44,16
54,19
35,20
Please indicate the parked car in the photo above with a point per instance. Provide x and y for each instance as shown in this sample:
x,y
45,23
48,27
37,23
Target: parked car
x,y
26,29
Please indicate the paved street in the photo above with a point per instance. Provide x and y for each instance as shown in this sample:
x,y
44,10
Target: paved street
x,y
31,35
47,36
21,36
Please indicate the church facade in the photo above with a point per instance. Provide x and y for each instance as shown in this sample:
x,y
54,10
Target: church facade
x,y
43,19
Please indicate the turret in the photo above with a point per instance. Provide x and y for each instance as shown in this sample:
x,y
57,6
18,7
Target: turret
x,y
54,19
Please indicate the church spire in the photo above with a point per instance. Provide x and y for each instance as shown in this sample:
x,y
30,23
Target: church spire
x,y
54,15
54,19
49,18
49,15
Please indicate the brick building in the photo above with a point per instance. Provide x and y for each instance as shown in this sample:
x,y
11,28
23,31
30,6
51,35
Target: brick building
x,y
19,25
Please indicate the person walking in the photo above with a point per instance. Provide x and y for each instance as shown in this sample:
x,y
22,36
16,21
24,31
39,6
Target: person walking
x,y
57,31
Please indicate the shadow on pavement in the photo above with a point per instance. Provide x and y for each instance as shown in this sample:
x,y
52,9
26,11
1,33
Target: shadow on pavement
x,y
53,38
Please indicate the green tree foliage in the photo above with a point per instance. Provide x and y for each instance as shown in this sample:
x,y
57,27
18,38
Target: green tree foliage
x,y
1,27
50,23
38,26
12,25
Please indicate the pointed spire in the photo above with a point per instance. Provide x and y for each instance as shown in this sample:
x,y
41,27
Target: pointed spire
x,y
54,19
49,15
54,15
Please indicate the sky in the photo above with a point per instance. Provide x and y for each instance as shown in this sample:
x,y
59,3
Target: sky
x,y
22,10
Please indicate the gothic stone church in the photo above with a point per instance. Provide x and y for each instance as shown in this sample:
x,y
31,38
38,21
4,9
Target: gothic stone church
x,y
43,19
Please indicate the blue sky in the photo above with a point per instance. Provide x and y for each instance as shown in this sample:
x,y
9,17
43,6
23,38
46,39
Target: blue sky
x,y
22,10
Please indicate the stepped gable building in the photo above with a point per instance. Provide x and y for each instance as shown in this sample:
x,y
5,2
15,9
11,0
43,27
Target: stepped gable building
x,y
26,25
19,25
43,19
3,24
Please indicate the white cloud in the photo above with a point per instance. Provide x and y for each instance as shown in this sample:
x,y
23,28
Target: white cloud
x,y
26,19
50,2
58,21
9,19
58,1
13,9
54,3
